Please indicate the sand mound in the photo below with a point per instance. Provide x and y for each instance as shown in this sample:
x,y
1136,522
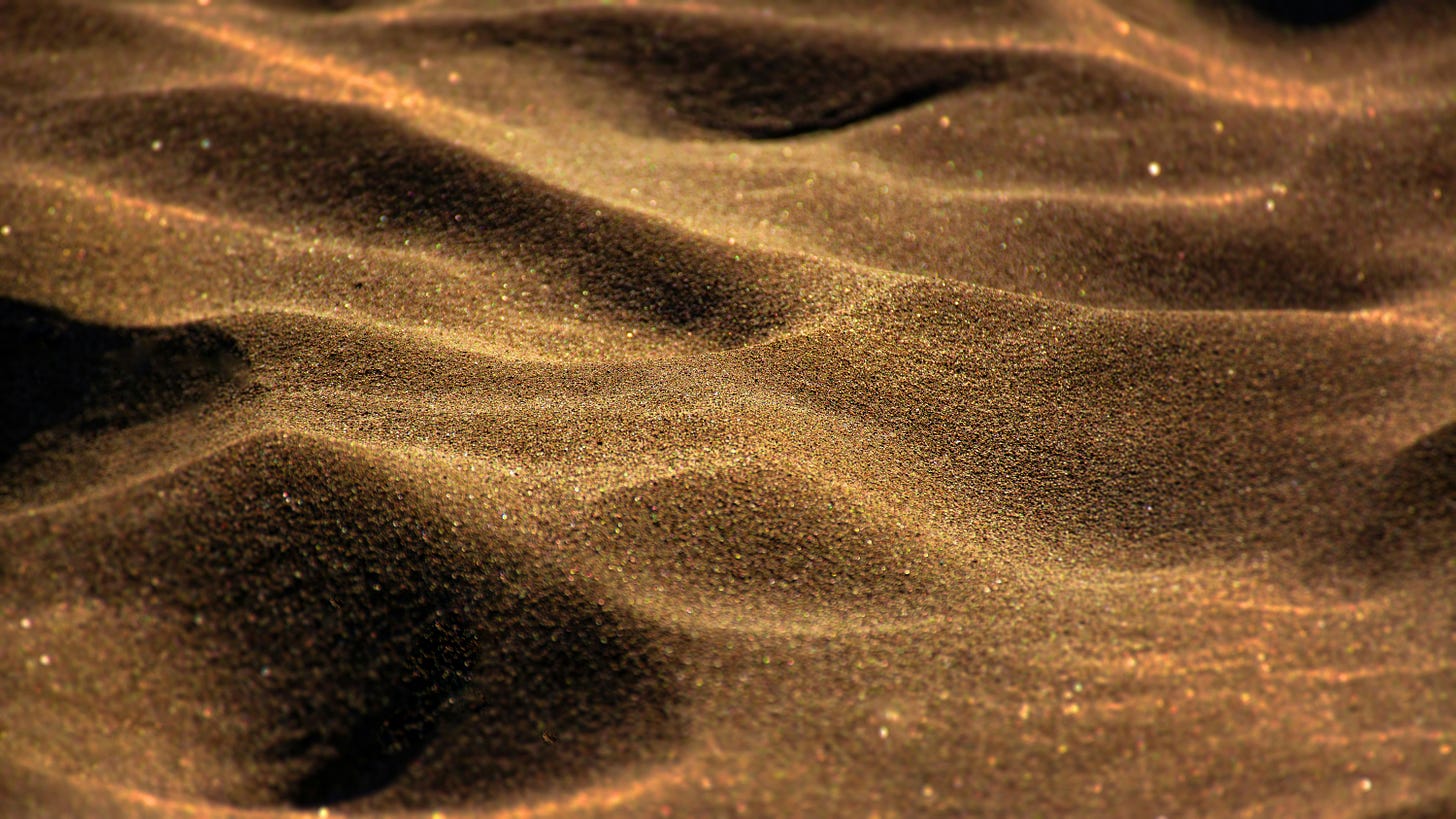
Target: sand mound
x,y
746,533
290,163
346,630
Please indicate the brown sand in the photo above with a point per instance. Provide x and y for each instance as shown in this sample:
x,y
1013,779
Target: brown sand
x,y
533,409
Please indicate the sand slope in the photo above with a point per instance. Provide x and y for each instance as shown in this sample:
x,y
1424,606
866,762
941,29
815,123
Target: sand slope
x,y
543,409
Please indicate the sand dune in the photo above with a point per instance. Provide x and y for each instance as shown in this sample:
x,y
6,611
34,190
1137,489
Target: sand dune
x,y
542,409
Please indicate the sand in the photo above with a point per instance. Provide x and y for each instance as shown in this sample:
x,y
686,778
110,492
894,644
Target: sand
x,y
536,409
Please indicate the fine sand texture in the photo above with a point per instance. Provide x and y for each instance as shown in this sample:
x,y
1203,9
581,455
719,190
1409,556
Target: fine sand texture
x,y
418,408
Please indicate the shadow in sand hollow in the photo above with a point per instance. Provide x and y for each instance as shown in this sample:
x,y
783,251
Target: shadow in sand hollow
x,y
1412,527
58,371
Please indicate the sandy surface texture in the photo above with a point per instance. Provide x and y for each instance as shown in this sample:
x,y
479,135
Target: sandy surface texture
x,y
805,408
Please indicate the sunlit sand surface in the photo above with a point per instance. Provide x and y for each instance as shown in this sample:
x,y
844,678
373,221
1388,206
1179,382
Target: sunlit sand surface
x,y
540,409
